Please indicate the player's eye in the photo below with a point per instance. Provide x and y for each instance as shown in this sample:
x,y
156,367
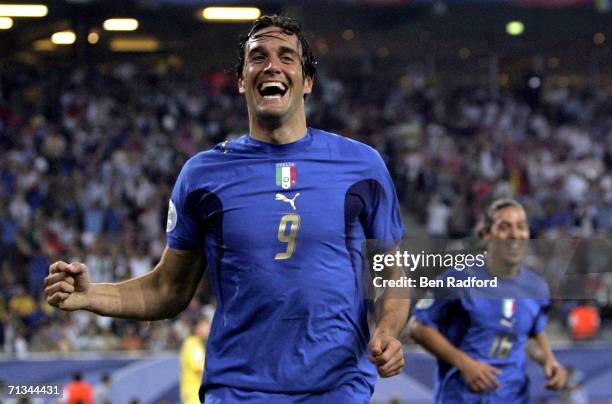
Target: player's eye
x,y
287,59
503,226
257,58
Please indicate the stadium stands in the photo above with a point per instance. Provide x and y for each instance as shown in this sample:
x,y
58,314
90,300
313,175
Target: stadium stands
x,y
89,154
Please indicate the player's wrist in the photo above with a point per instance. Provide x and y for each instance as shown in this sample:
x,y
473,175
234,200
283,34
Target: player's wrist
x,y
387,327
550,359
87,298
384,332
462,361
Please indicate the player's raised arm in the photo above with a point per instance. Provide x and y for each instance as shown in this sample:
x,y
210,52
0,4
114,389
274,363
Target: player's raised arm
x,y
539,351
480,376
162,293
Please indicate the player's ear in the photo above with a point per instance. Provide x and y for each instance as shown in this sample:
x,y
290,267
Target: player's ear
x,y
241,88
308,83
480,230
485,234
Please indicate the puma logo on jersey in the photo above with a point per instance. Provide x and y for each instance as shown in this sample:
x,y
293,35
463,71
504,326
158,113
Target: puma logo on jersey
x,y
281,197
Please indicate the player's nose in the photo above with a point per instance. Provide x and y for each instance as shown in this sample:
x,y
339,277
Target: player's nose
x,y
273,65
516,233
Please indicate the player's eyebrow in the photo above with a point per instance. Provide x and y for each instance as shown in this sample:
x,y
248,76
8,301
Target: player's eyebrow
x,y
281,50
509,223
256,49
286,49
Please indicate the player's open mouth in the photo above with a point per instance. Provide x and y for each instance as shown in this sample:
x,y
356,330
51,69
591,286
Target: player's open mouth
x,y
271,90
515,246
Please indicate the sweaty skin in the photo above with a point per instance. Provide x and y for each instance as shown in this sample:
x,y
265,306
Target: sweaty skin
x,y
273,55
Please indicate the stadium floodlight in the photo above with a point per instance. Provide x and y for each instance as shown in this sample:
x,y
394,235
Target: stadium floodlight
x,y
134,45
121,24
6,23
231,13
93,37
515,28
63,38
348,34
43,45
23,10
599,38
534,82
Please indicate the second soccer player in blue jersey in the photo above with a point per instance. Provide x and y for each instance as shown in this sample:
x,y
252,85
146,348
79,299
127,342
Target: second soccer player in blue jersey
x,y
480,335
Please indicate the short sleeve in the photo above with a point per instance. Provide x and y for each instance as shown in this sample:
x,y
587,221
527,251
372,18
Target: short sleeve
x,y
383,218
541,320
183,229
433,312
440,306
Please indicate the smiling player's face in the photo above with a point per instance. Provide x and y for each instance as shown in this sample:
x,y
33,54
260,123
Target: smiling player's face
x,y
272,79
507,238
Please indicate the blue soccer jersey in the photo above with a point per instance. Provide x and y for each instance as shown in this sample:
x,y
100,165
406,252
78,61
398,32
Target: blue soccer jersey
x,y
282,228
491,325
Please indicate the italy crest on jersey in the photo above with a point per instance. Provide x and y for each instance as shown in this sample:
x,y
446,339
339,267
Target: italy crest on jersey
x,y
286,175
509,308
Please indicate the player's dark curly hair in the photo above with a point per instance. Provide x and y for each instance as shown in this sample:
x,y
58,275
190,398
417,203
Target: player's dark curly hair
x,y
484,225
289,26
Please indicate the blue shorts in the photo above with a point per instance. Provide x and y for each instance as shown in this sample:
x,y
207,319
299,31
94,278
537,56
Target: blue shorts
x,y
354,393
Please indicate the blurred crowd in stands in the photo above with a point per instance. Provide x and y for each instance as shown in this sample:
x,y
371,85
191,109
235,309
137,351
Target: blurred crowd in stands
x,y
89,157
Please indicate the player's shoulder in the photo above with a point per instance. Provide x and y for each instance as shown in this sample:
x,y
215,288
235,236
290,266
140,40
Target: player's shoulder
x,y
210,159
345,146
445,284
194,163
204,157
534,284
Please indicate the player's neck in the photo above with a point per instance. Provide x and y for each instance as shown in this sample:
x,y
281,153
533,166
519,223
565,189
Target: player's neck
x,y
278,132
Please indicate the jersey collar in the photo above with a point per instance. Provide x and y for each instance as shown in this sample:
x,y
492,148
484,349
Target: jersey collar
x,y
292,147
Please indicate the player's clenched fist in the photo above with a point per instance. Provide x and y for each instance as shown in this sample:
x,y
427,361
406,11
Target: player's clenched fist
x,y
67,285
386,353
556,375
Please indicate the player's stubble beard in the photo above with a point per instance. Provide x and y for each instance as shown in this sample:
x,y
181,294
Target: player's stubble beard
x,y
270,121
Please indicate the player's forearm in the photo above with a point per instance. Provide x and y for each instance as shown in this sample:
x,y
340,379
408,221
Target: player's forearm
x,y
540,350
161,293
392,317
393,307
437,344
142,298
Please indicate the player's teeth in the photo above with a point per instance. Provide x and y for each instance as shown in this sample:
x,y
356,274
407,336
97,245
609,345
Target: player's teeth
x,y
273,84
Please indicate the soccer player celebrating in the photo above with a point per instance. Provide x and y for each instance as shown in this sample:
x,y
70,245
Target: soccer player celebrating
x,y
480,336
278,216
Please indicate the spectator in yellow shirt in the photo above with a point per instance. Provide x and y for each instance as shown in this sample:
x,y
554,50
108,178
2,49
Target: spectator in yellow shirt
x,y
192,361
22,304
